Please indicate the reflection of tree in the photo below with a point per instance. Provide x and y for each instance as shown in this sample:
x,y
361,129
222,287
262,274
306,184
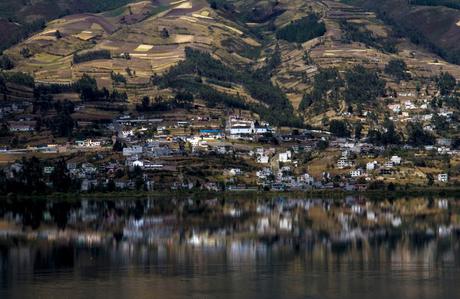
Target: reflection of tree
x,y
60,212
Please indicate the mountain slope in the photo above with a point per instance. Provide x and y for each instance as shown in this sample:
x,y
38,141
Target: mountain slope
x,y
434,24
18,19
276,51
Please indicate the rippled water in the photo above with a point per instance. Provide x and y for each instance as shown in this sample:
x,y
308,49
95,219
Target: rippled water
x,y
230,248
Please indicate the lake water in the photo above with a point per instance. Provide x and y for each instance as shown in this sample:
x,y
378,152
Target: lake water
x,y
230,248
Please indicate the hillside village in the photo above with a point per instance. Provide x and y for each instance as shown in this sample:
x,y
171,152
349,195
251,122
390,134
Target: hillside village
x,y
218,101
244,154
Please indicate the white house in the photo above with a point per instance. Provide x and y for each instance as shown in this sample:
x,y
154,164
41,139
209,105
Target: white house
x,y
235,171
388,164
88,143
356,173
126,133
396,160
263,159
307,179
370,166
343,163
264,173
285,157
137,163
238,127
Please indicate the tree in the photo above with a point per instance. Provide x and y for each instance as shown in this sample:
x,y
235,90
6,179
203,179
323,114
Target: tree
x,y
25,52
87,86
390,136
363,85
31,175
418,136
129,71
145,103
118,78
326,87
4,129
63,125
60,177
164,33
446,83
440,123
118,146
322,145
339,128
2,84
58,34
302,30
184,97
6,63
358,131
91,55
397,69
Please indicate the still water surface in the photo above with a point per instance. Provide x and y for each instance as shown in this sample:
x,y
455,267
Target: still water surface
x,y
231,248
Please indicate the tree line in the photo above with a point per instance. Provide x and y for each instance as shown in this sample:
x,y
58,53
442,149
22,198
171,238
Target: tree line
x,y
358,33
91,55
302,30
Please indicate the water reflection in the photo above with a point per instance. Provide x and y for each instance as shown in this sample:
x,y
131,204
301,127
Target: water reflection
x,y
281,247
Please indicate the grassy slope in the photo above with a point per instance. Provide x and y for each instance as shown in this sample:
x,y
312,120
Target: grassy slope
x,y
16,15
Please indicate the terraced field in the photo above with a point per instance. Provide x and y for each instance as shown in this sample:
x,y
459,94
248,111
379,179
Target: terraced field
x,y
146,38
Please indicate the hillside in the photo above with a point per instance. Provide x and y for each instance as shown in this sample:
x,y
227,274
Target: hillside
x,y
434,24
284,48
19,19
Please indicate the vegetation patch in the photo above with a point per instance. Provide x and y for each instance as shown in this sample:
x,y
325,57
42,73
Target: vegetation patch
x,y
302,30
91,55
358,33
455,4
187,77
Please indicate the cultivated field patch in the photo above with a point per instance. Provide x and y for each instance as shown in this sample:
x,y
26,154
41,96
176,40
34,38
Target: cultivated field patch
x,y
143,48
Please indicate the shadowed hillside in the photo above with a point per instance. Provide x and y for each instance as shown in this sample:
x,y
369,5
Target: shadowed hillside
x,y
434,24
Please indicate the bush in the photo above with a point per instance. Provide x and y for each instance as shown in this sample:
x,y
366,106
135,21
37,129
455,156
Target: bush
x,y
6,63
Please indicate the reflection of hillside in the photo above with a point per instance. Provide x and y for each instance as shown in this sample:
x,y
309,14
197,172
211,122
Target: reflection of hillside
x,y
216,224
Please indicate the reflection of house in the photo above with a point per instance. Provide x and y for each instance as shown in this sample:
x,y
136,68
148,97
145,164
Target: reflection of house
x,y
48,169
443,177
133,150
